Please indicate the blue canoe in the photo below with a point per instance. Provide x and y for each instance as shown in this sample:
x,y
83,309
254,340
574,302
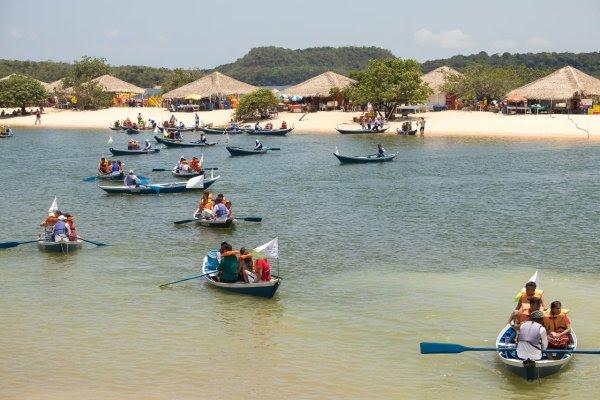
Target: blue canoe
x,y
260,289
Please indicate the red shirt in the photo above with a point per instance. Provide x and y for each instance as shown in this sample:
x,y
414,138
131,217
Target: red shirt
x,y
265,267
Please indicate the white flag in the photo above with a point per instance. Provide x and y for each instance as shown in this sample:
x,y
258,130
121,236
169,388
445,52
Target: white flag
x,y
54,206
195,183
110,140
270,248
336,150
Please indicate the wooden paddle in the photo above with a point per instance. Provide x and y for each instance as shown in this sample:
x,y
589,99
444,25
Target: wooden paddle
x,y
186,279
99,244
451,348
8,245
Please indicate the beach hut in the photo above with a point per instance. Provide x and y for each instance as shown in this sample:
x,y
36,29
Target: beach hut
x,y
435,79
565,90
316,91
56,86
11,75
214,87
122,91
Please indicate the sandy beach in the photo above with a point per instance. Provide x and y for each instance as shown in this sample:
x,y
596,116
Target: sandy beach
x,y
458,123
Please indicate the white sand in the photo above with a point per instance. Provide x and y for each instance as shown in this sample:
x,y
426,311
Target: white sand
x,y
467,123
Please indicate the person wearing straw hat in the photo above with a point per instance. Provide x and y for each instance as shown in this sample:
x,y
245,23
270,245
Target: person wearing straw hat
x,y
61,230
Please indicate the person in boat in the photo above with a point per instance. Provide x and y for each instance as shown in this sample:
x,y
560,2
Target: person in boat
x,y
376,124
172,120
102,165
49,223
228,266
524,312
220,211
532,338
177,135
73,236
283,125
117,124
131,180
127,123
258,145
558,326
257,126
120,164
245,267
205,207
229,209
530,291
115,169
61,230
147,145
196,165
268,126
183,165
107,167
203,138
380,151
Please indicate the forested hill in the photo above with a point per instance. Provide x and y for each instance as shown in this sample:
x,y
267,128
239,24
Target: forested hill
x,y
278,66
587,62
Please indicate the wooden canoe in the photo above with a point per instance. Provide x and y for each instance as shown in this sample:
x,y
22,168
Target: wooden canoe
x,y
260,289
507,352
157,188
241,151
111,177
118,152
361,130
179,143
131,131
113,128
59,247
215,223
409,133
269,132
363,159
186,175
217,131
174,129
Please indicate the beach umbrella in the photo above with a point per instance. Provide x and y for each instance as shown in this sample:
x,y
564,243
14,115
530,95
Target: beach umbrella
x,y
296,98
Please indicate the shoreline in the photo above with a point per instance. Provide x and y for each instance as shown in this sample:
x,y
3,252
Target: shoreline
x,y
445,123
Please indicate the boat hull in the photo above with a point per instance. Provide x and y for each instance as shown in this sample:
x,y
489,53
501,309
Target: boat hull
x,y
159,188
111,177
131,131
260,289
363,159
269,132
215,131
216,223
533,370
178,143
60,247
361,131
117,152
406,133
239,151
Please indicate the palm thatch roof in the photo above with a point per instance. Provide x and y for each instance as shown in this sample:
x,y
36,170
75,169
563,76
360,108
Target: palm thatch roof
x,y
211,85
320,85
54,86
565,83
436,78
11,75
115,85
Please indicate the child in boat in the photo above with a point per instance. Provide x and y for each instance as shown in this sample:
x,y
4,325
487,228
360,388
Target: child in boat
x,y
205,207
284,125
558,326
73,228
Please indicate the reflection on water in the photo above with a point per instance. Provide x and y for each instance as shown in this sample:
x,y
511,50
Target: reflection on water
x,y
375,259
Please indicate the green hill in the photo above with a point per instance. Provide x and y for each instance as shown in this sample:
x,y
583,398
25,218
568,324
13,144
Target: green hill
x,y
587,62
278,66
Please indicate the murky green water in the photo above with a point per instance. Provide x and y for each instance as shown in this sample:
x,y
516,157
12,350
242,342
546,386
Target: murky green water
x,y
375,258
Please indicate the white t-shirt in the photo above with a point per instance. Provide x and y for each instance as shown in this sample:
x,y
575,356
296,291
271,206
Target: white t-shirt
x,y
532,340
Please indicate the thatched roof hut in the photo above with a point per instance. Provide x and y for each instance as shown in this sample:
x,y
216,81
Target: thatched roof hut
x,y
563,84
320,85
115,85
11,75
214,84
55,86
436,78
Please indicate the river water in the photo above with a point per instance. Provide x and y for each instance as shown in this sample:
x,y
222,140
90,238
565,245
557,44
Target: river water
x,y
375,259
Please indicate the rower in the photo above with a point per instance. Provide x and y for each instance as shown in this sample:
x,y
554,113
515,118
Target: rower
x,y
114,170
257,126
147,145
61,230
183,165
102,165
532,339
258,145
220,211
131,180
380,151
203,138
284,125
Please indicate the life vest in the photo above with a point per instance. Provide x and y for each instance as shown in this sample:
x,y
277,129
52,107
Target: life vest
x,y
524,297
51,221
221,211
553,323
207,205
524,312
60,228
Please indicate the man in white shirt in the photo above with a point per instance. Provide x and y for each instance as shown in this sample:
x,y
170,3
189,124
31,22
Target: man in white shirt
x,y
533,338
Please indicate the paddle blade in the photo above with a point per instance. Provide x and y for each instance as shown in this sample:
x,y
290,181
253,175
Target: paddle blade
x,y
183,221
274,148
144,181
8,245
441,348
158,169
251,219
89,178
155,189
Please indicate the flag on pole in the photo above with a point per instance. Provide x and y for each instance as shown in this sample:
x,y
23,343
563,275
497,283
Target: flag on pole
x,y
109,140
336,150
269,249
534,278
54,207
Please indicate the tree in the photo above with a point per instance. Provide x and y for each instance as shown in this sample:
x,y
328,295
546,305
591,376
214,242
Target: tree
x,y
180,77
482,80
256,102
389,82
89,95
21,91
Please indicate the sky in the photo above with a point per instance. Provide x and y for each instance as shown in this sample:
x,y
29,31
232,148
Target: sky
x,y
201,34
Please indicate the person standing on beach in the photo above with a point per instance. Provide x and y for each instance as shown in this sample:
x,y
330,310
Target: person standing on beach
x,y
197,120
38,117
422,129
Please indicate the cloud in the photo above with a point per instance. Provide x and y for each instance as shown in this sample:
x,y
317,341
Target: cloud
x,y
453,39
14,33
538,42
112,34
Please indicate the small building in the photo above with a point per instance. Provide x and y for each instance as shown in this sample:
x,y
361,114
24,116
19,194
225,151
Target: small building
x,y
436,79
214,90
565,90
11,75
316,91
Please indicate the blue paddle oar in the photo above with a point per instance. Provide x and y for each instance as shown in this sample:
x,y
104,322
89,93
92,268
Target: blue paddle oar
x,y
8,245
99,244
186,279
89,178
451,348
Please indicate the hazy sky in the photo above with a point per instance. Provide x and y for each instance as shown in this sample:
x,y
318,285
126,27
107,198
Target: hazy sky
x,y
205,34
